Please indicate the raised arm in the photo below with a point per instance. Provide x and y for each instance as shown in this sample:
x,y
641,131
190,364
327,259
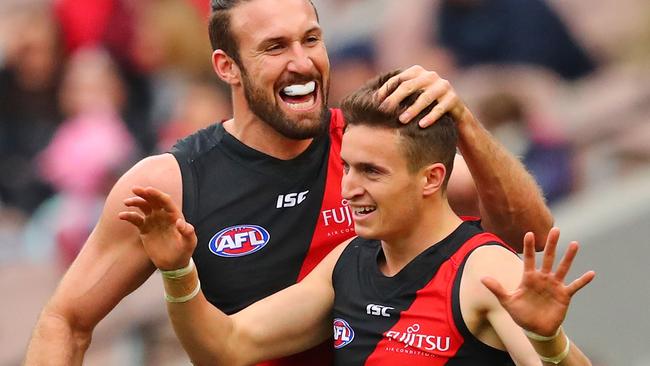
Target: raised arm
x,y
540,303
287,322
111,265
509,200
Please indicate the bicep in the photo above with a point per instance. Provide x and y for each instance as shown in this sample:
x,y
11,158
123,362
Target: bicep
x,y
112,262
503,265
513,338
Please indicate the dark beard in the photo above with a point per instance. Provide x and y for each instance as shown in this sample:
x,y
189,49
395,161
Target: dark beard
x,y
268,112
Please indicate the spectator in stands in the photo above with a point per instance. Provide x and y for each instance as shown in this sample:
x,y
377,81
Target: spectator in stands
x,y
201,104
88,152
29,114
459,34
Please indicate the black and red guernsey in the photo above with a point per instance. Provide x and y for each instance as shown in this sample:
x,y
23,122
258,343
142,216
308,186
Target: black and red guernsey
x,y
262,223
414,317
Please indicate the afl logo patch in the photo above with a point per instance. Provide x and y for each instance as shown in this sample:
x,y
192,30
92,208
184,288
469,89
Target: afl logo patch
x,y
238,241
343,333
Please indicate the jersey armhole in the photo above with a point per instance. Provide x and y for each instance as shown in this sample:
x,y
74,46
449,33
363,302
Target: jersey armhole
x,y
188,183
457,314
345,258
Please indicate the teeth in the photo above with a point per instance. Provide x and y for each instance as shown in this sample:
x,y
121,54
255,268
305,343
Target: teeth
x,y
299,90
364,210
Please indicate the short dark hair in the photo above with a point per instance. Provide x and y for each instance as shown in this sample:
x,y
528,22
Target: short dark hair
x,y
422,146
221,35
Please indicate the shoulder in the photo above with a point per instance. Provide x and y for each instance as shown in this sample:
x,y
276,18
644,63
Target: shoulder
x,y
355,257
325,268
494,261
357,245
338,251
161,163
198,143
159,171
491,257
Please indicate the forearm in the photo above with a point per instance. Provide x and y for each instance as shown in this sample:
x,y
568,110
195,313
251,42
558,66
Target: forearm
x,y
290,321
510,200
560,348
203,330
55,342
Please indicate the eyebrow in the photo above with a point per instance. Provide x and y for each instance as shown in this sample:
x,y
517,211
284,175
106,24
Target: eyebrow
x,y
372,166
364,166
316,29
269,41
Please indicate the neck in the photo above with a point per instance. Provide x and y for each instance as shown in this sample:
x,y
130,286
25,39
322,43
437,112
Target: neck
x,y
433,225
257,134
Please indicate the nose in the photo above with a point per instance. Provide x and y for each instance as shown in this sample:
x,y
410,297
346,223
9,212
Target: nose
x,y
350,187
301,62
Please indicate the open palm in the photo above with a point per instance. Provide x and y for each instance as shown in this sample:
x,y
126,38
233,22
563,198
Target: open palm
x,y
167,238
541,301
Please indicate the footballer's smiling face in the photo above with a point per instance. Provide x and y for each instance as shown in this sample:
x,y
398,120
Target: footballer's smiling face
x,y
284,64
384,196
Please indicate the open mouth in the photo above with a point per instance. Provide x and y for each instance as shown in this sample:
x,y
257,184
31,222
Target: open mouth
x,y
299,97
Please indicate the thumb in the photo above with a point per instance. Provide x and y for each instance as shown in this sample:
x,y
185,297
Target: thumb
x,y
495,287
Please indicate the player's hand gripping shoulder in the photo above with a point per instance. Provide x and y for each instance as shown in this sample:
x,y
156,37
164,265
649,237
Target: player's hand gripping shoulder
x,y
167,238
541,301
434,88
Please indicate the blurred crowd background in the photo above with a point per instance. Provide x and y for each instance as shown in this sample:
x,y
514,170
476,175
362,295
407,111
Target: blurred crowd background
x,y
87,88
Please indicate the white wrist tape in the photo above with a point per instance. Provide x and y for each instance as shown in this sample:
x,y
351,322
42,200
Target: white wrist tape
x,y
185,298
559,358
178,273
541,338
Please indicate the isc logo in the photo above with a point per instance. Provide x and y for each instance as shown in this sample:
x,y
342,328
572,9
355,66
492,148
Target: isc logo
x,y
240,240
379,310
291,199
343,333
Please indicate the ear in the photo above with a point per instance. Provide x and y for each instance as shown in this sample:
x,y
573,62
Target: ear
x,y
432,177
226,68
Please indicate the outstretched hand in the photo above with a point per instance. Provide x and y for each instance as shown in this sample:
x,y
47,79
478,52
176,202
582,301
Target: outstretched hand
x,y
434,89
167,238
541,301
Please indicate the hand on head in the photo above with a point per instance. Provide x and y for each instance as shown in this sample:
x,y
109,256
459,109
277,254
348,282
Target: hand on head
x,y
167,238
434,89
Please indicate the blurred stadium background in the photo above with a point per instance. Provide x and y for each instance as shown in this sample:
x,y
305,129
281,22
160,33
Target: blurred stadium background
x,y
89,87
